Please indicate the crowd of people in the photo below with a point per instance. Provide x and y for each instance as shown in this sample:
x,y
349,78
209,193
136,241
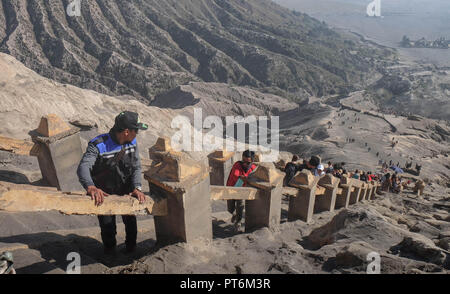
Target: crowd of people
x,y
393,183
318,169
389,182
244,168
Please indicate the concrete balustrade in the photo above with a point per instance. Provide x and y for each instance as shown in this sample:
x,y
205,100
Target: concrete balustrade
x,y
262,196
20,147
27,198
232,193
265,210
376,186
369,191
59,152
373,188
327,201
181,188
221,162
343,198
301,207
185,184
362,195
358,186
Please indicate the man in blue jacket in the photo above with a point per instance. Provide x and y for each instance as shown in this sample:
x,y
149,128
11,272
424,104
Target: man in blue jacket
x,y
111,165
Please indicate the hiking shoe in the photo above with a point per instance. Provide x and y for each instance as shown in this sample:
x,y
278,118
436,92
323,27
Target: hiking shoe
x,y
238,227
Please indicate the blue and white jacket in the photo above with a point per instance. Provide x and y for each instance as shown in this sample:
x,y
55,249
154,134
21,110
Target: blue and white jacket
x,y
99,166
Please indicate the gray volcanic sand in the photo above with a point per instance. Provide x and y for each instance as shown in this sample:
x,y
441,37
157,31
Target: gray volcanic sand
x,y
305,132
335,242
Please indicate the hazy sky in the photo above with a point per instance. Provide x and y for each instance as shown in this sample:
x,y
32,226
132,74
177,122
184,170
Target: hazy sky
x,y
413,17
418,6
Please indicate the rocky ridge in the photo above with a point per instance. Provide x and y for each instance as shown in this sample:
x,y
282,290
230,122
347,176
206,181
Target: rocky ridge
x,y
144,48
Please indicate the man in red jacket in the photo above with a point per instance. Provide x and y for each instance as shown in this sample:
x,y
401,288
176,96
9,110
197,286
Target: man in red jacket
x,y
370,176
238,178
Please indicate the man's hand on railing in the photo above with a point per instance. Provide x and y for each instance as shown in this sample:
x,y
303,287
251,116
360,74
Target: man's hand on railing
x,y
139,195
97,194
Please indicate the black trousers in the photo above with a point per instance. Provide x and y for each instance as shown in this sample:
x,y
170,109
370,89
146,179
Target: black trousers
x,y
108,229
238,206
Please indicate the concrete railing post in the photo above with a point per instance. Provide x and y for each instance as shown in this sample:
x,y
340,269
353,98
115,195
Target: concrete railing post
x,y
185,184
343,200
354,196
59,153
364,189
369,191
366,195
302,206
221,163
265,210
327,202
375,190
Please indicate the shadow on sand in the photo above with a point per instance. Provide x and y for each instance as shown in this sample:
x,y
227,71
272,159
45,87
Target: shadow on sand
x,y
54,249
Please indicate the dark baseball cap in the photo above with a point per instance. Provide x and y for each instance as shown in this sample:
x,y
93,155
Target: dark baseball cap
x,y
129,120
